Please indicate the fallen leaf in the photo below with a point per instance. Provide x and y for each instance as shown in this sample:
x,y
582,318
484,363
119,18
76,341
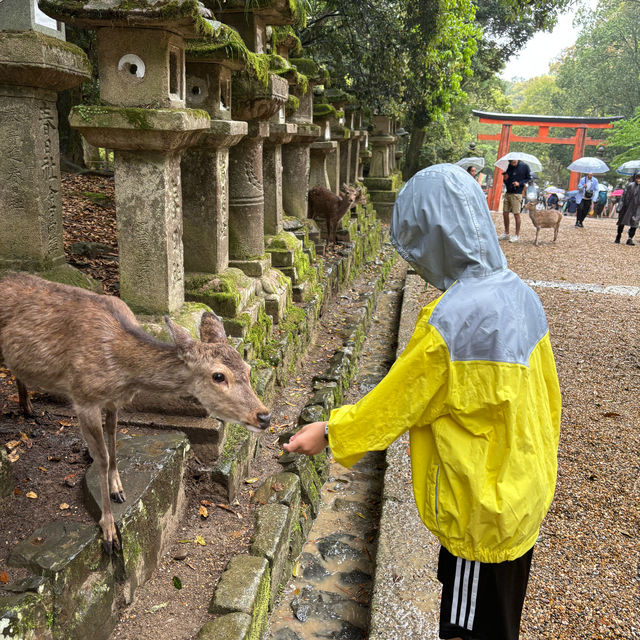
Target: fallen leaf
x,y
4,577
203,512
277,486
177,583
206,503
18,492
184,541
64,506
13,457
200,540
65,423
360,515
251,480
24,437
157,607
43,469
296,570
53,458
12,444
3,375
32,494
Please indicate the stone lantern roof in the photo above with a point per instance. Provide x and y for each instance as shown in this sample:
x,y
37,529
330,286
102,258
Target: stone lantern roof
x,y
187,18
315,73
274,12
225,46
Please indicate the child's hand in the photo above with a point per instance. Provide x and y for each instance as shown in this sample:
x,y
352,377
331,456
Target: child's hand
x,y
309,440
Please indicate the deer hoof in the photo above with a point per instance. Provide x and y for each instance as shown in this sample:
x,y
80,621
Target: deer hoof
x,y
118,496
107,545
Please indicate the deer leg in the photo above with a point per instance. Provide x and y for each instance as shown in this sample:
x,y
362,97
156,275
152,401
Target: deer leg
x,y
537,232
115,484
91,426
331,230
23,399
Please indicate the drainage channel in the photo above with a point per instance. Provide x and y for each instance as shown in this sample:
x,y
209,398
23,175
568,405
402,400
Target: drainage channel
x,y
329,595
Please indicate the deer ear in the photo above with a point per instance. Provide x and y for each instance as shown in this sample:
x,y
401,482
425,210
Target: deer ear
x,y
211,328
180,336
345,187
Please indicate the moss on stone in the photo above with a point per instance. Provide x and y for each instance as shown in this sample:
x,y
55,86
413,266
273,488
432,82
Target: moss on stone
x,y
293,104
310,68
286,36
324,110
259,332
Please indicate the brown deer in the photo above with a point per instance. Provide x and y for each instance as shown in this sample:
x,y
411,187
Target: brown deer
x,y
544,219
326,205
90,348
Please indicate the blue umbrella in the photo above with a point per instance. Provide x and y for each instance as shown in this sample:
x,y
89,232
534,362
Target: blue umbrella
x,y
588,164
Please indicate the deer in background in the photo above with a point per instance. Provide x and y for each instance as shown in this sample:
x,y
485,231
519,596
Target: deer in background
x,y
544,219
91,349
326,205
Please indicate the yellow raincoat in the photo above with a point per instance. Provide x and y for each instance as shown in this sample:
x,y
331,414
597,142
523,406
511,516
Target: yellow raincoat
x,y
476,386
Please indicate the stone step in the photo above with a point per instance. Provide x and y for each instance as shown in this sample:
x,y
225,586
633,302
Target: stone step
x,y
76,590
419,598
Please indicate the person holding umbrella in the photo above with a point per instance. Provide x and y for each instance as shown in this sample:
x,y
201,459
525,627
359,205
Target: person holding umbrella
x,y
629,213
587,186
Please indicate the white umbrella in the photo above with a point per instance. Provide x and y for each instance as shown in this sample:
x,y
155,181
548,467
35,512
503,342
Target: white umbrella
x,y
629,168
465,163
534,164
551,189
588,164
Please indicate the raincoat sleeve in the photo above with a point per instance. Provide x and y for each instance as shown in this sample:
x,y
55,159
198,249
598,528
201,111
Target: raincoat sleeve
x,y
411,395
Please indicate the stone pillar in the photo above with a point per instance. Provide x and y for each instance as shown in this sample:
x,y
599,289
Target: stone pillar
x,y
296,156
148,196
255,103
33,68
357,137
205,167
280,133
365,153
320,150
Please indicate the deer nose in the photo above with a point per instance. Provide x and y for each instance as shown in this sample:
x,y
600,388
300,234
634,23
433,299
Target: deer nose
x,y
263,420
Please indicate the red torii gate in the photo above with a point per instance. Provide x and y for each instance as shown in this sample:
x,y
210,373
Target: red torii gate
x,y
544,123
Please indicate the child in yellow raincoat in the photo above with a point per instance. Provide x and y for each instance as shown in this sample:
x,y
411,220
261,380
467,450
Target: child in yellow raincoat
x,y
478,391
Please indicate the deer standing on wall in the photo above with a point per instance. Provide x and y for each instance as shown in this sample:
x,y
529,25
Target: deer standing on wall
x,y
90,348
326,205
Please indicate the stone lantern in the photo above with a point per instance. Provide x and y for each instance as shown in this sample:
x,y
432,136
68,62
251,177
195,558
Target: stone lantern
x,y
296,156
338,163
323,113
141,62
259,99
358,139
35,64
205,167
382,182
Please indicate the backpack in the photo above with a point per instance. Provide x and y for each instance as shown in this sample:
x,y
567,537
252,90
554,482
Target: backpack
x,y
602,197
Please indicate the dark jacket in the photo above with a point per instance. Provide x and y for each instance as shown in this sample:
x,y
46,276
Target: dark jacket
x,y
629,213
520,174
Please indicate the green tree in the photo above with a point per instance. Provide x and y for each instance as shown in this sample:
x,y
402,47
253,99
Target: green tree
x,y
601,74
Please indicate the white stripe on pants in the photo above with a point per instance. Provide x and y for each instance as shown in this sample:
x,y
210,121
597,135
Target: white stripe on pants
x,y
467,610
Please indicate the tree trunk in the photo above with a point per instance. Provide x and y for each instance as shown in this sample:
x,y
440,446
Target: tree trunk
x,y
412,162
70,139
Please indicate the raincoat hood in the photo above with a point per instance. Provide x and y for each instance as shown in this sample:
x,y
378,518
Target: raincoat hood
x,y
441,225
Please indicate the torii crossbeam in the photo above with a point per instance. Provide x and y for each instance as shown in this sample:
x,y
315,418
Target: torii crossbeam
x,y
579,140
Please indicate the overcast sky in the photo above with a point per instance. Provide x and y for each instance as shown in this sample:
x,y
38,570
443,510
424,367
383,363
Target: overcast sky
x,y
542,49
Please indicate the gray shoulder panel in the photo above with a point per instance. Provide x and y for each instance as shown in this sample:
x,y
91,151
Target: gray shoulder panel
x,y
497,318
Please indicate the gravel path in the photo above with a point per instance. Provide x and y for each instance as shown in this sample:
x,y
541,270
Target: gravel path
x,y
585,579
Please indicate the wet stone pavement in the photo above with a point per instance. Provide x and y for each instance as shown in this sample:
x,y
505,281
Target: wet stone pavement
x,y
330,593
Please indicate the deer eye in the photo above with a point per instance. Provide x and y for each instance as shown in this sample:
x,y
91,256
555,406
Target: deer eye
x,y
218,377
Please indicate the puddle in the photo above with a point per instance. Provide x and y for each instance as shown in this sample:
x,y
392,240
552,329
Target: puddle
x,y
330,596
